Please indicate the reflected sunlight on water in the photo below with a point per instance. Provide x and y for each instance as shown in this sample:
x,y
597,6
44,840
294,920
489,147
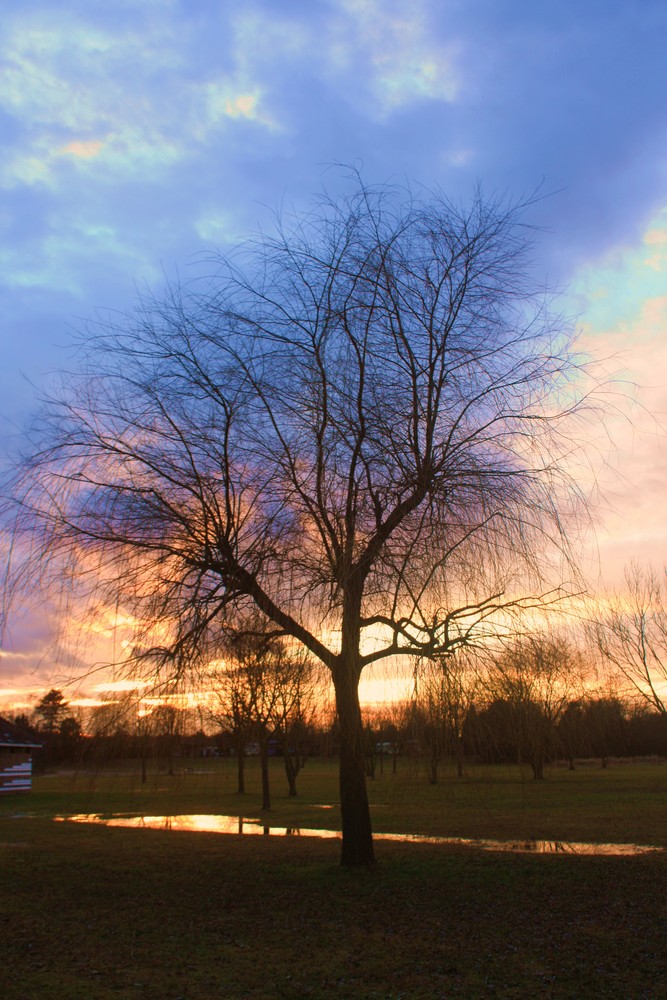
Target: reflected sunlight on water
x,y
197,823
203,823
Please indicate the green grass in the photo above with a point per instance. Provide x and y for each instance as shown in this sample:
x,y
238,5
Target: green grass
x,y
90,913
624,803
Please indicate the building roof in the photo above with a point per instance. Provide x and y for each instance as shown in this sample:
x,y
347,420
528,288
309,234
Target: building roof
x,y
14,736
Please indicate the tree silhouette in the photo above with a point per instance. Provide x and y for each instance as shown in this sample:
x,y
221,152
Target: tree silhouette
x,y
354,428
630,631
50,711
535,678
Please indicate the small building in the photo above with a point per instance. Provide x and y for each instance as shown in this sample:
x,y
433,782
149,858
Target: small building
x,y
16,749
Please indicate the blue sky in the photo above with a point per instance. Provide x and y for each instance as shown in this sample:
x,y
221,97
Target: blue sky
x,y
140,134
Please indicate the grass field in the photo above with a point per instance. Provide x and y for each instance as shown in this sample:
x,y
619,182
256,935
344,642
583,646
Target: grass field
x,y
90,912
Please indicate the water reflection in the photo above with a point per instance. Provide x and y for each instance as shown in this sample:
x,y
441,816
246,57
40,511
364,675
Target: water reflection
x,y
529,846
205,823
198,823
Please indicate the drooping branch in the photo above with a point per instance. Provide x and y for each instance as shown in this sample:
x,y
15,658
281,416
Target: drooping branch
x,y
360,423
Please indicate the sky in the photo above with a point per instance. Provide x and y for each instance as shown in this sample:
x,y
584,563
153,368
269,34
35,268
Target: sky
x,y
138,137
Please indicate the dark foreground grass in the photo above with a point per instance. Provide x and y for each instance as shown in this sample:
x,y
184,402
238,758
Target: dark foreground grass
x,y
90,913
94,913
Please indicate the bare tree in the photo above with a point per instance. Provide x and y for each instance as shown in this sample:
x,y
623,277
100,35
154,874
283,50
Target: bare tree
x,y
166,725
295,680
630,631
536,677
355,426
262,690
445,689
231,707
260,662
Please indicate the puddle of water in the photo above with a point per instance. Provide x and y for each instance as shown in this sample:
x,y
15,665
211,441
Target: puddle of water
x,y
530,846
204,823
198,823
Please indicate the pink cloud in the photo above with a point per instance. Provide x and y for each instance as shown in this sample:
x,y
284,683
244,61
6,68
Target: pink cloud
x,y
83,150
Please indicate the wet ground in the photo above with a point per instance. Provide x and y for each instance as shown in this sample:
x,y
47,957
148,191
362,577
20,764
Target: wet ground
x,y
208,823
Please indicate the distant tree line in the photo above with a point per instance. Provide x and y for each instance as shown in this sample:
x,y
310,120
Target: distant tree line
x,y
532,704
417,733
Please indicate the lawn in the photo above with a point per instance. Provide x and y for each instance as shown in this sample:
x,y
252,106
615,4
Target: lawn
x,y
93,912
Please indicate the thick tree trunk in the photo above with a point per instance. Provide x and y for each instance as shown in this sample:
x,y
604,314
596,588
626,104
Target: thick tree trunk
x,y
357,850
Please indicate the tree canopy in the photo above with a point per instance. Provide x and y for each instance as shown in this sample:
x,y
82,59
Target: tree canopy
x,y
356,426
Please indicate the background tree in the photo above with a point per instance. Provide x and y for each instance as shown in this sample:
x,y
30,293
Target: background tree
x,y
445,689
231,708
70,742
491,733
646,731
354,426
50,711
293,713
389,719
116,730
59,729
630,631
50,714
605,728
572,739
165,723
263,692
23,722
263,663
535,678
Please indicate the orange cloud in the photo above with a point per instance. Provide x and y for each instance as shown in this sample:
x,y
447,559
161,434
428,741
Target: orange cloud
x,y
124,685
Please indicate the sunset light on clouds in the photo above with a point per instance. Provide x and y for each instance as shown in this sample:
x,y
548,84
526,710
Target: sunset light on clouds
x,y
83,150
137,138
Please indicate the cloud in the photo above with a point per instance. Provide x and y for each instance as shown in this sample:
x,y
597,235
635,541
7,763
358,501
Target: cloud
x,y
129,98
656,239
62,257
624,317
392,47
120,686
378,55
214,226
82,150
226,99
26,677
245,105
656,236
611,291
99,102
458,156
